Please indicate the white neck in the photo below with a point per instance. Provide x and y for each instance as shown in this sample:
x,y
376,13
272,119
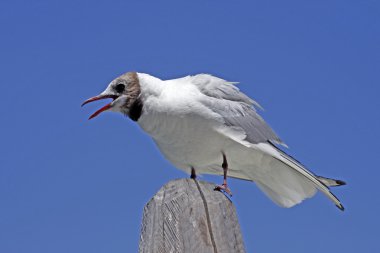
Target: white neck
x,y
150,85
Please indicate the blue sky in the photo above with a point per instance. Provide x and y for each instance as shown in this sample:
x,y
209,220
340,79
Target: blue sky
x,y
70,185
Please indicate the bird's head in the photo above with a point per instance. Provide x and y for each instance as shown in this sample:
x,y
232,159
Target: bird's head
x,y
125,91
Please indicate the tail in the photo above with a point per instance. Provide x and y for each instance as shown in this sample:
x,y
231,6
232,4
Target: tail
x,y
289,182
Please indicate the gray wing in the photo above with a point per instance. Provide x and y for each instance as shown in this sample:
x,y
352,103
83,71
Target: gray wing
x,y
236,109
218,88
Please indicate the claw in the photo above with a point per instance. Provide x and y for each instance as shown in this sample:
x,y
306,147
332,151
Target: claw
x,y
223,188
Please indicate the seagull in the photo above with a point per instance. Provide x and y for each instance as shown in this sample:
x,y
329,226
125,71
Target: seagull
x,y
205,125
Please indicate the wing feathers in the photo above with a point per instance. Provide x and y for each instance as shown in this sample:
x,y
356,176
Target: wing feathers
x,y
331,182
235,108
323,188
321,183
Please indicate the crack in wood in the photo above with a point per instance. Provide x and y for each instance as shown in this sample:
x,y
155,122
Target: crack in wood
x,y
207,216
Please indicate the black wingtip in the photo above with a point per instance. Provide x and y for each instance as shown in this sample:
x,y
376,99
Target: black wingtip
x,y
341,207
340,182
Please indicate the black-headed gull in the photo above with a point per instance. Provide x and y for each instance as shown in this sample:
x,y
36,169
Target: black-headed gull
x,y
204,124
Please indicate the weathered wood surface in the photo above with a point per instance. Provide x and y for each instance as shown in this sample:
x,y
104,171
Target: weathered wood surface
x,y
188,216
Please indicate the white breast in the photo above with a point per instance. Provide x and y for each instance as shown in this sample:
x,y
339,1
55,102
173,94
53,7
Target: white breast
x,y
187,141
178,124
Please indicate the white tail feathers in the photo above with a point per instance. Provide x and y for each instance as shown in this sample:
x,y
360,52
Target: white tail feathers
x,y
289,182
285,186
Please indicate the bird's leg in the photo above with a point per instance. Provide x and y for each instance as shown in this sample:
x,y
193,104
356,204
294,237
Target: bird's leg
x,y
224,186
193,174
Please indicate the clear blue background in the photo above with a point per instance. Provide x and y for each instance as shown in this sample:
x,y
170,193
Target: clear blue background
x,y
72,185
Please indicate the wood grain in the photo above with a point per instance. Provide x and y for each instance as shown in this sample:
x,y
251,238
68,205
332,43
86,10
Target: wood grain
x,y
188,216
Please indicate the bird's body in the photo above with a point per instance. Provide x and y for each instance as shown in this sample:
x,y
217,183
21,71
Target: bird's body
x,y
201,122
183,129
190,134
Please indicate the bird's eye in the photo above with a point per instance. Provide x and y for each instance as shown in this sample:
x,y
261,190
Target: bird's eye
x,y
119,88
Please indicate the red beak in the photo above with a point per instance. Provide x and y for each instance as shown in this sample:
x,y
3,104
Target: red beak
x,y
104,108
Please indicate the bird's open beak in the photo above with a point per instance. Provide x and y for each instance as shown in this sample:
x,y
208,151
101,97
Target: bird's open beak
x,y
104,108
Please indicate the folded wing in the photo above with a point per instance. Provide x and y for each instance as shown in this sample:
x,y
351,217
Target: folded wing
x,y
236,108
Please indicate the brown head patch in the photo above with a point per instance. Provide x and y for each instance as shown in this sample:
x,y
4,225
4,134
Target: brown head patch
x,y
133,89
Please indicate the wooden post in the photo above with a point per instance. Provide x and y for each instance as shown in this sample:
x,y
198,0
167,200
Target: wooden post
x,y
188,216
